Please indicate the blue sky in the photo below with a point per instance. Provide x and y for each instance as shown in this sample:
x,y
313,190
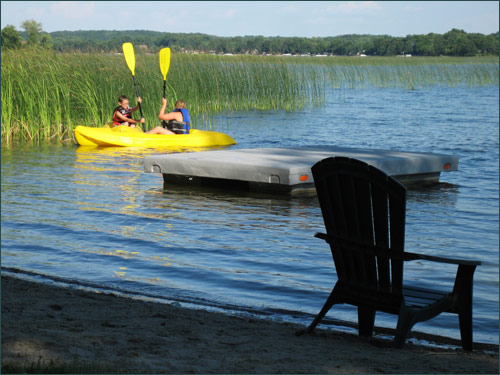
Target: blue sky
x,y
267,18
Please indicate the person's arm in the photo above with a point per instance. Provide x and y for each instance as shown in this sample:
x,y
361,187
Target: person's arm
x,y
139,100
121,117
142,120
129,119
177,116
136,121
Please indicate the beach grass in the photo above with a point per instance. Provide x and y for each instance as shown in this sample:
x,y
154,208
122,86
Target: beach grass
x,y
46,94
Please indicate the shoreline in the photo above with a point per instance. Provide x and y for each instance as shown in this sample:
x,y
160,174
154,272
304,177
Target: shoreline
x,y
44,323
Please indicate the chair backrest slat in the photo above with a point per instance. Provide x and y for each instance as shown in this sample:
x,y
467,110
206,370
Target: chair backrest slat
x,y
363,209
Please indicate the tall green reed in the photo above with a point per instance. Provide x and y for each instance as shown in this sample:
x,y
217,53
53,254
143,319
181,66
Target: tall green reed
x,y
46,94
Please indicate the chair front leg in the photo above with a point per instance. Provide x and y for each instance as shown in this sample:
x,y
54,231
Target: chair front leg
x,y
366,321
406,321
328,304
463,290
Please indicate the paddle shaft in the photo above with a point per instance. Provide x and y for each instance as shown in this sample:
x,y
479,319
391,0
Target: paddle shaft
x,y
137,94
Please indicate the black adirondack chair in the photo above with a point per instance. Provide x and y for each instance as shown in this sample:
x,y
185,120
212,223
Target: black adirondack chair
x,y
364,213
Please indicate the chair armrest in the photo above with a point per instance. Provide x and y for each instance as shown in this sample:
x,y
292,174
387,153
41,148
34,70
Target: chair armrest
x,y
406,256
323,236
464,262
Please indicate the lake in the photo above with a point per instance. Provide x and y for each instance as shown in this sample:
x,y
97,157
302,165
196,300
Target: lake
x,y
92,218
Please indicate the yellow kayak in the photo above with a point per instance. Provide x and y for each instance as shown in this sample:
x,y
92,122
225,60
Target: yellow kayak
x,y
125,136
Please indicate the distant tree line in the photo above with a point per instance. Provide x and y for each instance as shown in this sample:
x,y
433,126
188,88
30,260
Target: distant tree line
x,y
453,43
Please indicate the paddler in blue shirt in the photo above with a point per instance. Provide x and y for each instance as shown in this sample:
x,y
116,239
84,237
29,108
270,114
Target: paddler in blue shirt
x,y
175,122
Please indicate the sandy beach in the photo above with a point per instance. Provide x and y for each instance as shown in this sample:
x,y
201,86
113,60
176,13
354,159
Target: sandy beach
x,y
44,322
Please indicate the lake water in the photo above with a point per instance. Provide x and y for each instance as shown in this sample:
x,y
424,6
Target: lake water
x,y
93,218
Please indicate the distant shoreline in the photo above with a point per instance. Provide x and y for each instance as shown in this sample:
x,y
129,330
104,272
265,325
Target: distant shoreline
x,y
455,42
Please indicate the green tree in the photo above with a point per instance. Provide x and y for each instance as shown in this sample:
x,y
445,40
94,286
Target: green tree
x,y
465,47
33,29
46,40
491,44
380,44
424,45
338,47
10,37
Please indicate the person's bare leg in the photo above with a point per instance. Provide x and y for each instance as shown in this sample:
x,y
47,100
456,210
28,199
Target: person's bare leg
x,y
159,130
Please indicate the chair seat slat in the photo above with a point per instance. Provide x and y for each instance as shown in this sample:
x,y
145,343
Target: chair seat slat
x,y
423,293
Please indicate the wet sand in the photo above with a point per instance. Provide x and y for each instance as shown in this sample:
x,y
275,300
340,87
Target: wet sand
x,y
47,322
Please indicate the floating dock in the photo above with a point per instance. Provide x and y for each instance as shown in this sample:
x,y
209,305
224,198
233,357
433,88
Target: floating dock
x,y
288,170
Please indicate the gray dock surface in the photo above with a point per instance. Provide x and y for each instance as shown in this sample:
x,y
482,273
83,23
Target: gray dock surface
x,y
288,170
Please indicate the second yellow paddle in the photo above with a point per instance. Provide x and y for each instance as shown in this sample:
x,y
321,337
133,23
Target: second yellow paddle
x,y
164,66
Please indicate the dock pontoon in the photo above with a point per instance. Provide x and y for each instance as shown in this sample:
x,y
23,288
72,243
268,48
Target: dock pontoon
x,y
288,170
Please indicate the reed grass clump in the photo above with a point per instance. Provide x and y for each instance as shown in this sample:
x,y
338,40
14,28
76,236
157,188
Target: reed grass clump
x,y
46,94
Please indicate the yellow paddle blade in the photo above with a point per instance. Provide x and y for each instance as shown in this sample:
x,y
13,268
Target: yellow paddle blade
x,y
128,52
164,61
